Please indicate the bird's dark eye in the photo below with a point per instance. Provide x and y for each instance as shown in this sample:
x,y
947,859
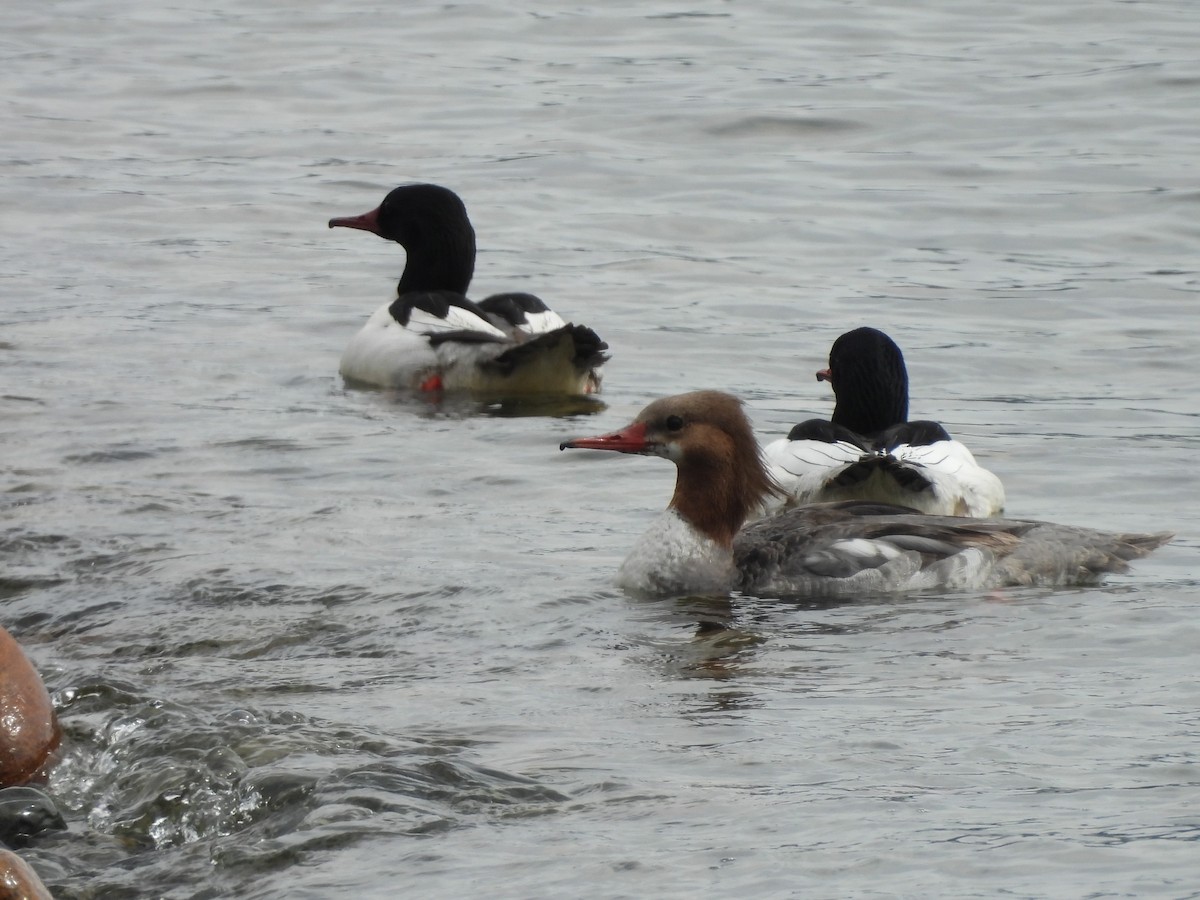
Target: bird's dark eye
x,y
674,423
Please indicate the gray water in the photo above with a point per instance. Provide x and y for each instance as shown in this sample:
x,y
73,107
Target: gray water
x,y
308,641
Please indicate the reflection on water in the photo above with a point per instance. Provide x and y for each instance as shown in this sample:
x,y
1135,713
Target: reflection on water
x,y
463,405
556,407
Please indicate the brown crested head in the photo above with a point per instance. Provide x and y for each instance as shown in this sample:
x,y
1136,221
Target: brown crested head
x,y
721,477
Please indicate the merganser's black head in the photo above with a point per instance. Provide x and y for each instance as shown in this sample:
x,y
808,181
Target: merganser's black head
x,y
870,381
431,224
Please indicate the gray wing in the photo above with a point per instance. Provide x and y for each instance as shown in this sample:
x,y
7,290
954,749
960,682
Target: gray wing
x,y
853,546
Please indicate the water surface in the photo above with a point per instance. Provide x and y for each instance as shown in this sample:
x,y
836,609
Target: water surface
x,y
309,641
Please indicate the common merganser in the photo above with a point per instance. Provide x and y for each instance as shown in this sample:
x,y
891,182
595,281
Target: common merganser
x,y
869,450
836,549
431,337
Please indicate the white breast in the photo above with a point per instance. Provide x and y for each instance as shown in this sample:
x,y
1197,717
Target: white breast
x,y
672,557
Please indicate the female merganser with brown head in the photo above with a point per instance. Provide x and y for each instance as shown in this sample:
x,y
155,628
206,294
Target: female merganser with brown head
x,y
431,337
827,549
869,450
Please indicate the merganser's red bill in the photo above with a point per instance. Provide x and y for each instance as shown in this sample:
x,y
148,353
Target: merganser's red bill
x,y
631,439
823,375
365,222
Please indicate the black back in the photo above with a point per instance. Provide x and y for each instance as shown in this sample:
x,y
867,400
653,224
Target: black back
x,y
513,308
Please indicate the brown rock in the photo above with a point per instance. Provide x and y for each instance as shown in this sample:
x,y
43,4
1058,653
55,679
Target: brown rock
x,y
29,732
18,881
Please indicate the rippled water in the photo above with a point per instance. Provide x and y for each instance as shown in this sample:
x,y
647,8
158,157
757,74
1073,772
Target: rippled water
x,y
313,642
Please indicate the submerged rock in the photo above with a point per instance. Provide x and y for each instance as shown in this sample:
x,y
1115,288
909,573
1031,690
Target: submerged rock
x,y
25,813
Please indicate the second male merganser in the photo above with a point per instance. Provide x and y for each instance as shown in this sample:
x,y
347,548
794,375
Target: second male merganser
x,y
869,450
837,549
431,337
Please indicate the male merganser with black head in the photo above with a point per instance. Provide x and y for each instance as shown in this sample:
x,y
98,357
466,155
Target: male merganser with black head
x,y
431,337
838,549
869,450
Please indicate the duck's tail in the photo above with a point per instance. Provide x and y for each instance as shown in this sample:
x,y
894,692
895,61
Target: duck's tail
x,y
907,476
1059,554
565,360
1112,552
1135,546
